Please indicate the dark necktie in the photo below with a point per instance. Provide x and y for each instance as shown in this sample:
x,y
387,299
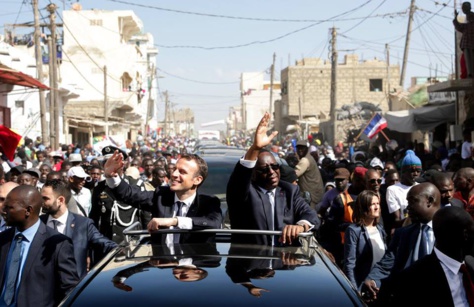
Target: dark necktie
x,y
424,241
55,224
13,270
468,284
178,213
271,222
180,208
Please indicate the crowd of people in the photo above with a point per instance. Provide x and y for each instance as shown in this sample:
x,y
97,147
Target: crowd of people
x,y
381,213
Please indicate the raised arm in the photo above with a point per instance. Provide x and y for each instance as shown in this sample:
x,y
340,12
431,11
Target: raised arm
x,y
261,138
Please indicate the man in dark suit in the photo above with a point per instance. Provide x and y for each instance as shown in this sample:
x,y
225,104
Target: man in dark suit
x,y
257,199
48,269
437,279
406,245
178,205
85,236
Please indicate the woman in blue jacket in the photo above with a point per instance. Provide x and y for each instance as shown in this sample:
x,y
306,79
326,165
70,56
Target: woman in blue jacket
x,y
365,240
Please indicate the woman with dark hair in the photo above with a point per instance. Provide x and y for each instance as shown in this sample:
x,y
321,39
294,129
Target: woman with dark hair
x,y
365,240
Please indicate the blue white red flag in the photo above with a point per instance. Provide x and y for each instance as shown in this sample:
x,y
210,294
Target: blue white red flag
x,y
376,124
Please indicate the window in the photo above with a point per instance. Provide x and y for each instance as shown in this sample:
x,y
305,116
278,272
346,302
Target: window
x,y
96,22
20,104
376,85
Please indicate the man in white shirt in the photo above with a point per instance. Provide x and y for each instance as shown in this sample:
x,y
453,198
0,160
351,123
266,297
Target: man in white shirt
x,y
397,194
77,177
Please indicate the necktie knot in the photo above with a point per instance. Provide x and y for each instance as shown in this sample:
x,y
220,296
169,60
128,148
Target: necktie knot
x,y
19,237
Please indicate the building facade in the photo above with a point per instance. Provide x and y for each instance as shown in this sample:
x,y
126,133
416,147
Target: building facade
x,y
306,88
255,98
112,64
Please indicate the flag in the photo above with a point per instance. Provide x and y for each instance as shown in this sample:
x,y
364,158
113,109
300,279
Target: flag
x,y
376,124
9,141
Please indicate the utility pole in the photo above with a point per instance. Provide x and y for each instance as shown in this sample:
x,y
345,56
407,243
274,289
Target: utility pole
x,y
272,72
52,92
149,110
55,101
407,42
387,55
39,69
166,113
106,103
333,83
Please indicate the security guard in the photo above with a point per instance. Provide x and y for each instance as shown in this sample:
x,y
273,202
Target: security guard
x,y
110,216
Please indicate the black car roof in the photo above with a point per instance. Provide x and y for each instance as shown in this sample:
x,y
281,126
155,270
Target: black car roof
x,y
142,273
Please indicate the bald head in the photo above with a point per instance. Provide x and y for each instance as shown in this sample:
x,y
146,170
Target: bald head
x,y
22,207
423,202
464,179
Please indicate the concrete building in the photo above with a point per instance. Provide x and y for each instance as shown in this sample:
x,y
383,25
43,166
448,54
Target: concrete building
x,y
182,122
19,106
306,88
111,64
255,98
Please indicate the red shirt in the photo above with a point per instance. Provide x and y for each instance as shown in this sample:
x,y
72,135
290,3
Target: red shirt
x,y
468,205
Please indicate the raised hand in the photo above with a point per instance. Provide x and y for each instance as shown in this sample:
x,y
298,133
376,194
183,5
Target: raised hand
x,y
261,138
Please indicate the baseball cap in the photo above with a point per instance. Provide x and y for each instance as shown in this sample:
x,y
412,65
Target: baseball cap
x,y
77,171
341,173
376,162
33,172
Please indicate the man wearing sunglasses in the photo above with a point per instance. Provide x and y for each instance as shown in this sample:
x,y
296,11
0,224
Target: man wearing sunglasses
x,y
372,180
257,199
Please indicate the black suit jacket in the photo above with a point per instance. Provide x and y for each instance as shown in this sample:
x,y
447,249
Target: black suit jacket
x,y
205,211
49,271
422,284
399,254
85,237
250,208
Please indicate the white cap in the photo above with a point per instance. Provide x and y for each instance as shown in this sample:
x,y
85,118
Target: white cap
x,y
75,157
77,171
376,162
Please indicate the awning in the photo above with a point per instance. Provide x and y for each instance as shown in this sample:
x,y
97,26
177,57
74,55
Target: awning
x,y
424,118
11,76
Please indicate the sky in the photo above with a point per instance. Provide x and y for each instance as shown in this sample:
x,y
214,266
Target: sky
x,y
205,45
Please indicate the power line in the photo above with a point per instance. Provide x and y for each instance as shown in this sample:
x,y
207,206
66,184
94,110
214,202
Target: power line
x,y
236,17
362,21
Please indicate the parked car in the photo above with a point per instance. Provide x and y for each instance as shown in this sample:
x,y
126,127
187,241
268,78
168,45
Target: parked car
x,y
144,272
219,170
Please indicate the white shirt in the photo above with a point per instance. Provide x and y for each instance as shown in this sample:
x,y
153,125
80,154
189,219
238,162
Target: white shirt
x,y
397,198
84,199
62,221
451,269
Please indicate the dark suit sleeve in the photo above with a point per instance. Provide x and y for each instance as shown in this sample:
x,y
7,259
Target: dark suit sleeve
x,y
134,196
210,214
351,239
238,186
67,275
97,241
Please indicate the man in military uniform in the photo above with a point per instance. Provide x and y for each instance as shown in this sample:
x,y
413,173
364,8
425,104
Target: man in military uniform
x,y
110,216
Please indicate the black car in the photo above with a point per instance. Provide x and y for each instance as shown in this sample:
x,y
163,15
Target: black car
x,y
144,272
